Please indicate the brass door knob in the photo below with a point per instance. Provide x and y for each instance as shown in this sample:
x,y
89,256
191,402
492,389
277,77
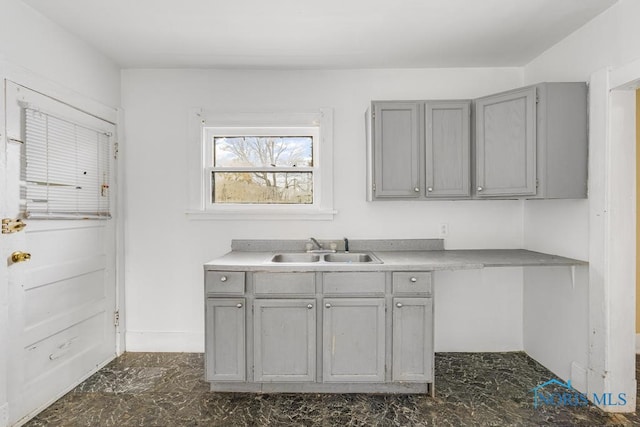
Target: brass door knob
x,y
20,256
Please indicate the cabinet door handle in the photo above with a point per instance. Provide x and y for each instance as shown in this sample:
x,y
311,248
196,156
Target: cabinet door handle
x,y
327,305
416,189
430,189
413,280
223,278
480,188
310,306
239,305
399,305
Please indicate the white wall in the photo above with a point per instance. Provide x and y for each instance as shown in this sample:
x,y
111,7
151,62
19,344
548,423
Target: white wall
x,y
32,41
36,52
564,227
165,250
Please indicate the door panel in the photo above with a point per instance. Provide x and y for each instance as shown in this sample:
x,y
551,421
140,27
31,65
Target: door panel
x,y
506,144
284,335
353,340
62,301
447,149
412,339
396,149
225,334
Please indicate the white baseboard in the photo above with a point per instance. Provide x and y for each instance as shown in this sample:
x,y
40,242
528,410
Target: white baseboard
x,y
172,342
637,343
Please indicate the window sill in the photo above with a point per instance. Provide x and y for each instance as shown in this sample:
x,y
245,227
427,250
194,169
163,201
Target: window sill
x,y
236,214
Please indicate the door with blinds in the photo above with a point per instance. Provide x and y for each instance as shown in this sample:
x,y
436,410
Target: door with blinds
x,y
62,282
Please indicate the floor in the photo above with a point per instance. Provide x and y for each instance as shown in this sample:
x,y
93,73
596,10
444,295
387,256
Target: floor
x,y
167,389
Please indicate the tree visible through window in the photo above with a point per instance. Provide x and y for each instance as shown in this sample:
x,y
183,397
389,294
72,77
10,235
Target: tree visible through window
x,y
262,169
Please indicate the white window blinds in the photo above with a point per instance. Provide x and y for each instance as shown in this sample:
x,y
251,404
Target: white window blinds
x,y
67,168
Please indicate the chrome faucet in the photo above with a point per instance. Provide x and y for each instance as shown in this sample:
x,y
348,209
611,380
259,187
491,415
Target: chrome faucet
x,y
315,243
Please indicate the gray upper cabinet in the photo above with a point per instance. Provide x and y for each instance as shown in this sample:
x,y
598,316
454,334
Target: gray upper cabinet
x,y
447,147
528,143
396,149
225,339
284,345
506,144
532,142
353,340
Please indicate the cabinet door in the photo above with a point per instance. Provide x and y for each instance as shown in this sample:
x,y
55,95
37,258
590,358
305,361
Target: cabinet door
x,y
353,340
284,337
396,149
225,339
447,149
412,339
506,144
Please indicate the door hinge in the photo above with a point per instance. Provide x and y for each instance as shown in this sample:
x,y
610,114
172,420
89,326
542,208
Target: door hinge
x,y
537,98
374,187
373,115
537,183
116,318
12,225
115,150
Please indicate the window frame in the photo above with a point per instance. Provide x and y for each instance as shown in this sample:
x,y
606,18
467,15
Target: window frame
x,y
205,124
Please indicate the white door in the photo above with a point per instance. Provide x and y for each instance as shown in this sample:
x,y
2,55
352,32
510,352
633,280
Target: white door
x,y
62,300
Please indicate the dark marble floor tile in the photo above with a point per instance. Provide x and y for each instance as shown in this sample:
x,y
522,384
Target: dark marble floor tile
x,y
168,389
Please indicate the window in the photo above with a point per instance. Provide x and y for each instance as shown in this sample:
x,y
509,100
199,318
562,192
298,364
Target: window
x,y
270,166
66,171
261,165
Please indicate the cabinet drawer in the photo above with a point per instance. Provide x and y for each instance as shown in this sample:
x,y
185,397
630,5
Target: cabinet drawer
x,y
284,283
224,282
411,282
353,283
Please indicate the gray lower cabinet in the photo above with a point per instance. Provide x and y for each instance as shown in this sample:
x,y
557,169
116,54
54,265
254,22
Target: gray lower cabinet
x,y
225,344
412,339
353,340
368,331
284,340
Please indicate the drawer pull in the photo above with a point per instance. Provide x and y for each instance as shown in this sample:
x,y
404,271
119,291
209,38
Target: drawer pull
x,y
399,305
413,279
310,306
223,278
327,305
239,305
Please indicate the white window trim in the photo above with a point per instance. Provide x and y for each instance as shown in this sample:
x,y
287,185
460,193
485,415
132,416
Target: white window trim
x,y
199,179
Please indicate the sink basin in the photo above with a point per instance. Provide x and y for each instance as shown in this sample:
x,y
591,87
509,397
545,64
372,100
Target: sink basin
x,y
352,257
296,257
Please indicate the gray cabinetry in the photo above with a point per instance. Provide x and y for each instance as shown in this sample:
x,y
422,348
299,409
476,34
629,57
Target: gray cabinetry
x,y
319,331
353,340
284,339
396,149
225,342
447,149
412,339
532,142
419,150
506,144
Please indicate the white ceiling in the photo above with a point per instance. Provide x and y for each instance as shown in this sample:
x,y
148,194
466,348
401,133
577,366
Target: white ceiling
x,y
322,33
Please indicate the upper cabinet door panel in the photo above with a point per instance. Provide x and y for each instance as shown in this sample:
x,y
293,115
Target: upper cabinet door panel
x,y
396,149
447,158
506,144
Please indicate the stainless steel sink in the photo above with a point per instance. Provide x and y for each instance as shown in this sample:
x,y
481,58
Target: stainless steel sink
x,y
352,258
296,257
